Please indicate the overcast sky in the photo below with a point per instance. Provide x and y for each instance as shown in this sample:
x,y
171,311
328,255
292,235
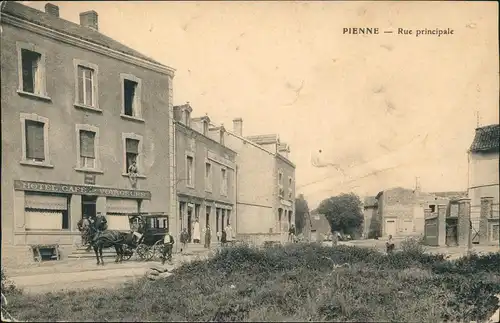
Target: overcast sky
x,y
386,108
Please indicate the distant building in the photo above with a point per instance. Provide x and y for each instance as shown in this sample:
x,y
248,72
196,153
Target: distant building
x,y
320,227
484,179
205,173
78,109
265,184
371,221
401,211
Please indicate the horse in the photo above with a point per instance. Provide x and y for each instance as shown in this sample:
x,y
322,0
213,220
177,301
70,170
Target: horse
x,y
114,238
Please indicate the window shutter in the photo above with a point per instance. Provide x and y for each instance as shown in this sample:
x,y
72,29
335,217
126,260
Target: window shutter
x,y
87,148
35,144
132,146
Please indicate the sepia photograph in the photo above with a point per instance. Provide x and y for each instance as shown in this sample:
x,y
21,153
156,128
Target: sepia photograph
x,y
238,161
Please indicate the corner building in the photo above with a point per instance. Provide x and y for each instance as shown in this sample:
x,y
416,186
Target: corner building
x,y
78,108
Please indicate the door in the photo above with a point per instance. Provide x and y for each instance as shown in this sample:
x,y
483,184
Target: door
x,y
390,227
89,206
190,222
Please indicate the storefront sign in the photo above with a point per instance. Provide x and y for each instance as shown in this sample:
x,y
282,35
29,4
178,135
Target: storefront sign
x,y
80,190
286,203
89,179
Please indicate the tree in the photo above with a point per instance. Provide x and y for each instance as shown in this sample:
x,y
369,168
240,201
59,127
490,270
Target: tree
x,y
344,213
301,213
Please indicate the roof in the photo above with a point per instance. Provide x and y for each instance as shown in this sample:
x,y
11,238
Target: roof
x,y
67,27
487,139
450,195
264,139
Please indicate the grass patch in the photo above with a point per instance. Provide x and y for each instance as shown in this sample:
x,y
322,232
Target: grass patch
x,y
293,283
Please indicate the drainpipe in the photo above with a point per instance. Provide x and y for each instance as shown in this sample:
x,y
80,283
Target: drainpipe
x,y
235,212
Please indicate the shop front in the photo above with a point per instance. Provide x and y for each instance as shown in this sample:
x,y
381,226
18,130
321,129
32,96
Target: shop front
x,y
48,213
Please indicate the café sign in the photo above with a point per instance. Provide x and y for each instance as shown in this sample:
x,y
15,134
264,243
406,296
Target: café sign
x,y
80,190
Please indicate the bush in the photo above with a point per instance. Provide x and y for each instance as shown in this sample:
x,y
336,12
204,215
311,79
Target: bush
x,y
297,282
8,286
413,246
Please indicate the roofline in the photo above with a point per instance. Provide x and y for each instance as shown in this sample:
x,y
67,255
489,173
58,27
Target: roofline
x,y
85,44
279,156
249,142
177,123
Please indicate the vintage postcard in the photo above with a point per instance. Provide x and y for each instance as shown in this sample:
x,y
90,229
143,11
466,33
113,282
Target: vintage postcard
x,y
250,161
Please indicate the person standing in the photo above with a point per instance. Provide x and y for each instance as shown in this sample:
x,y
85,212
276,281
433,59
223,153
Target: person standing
x,y
229,234
84,228
208,237
184,240
223,238
168,244
291,233
389,245
196,231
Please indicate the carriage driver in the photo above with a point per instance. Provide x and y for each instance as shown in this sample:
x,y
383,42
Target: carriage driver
x,y
168,244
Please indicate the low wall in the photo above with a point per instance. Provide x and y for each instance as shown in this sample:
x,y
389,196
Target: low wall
x,y
258,239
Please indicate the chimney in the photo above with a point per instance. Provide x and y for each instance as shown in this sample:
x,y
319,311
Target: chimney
x,y
89,19
238,126
52,9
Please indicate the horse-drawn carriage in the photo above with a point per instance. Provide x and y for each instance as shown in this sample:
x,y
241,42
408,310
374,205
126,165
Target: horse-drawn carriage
x,y
150,230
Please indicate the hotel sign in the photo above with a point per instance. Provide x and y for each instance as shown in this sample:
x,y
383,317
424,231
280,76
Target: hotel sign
x,y
80,190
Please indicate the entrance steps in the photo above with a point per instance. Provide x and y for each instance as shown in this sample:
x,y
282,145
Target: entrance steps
x,y
82,253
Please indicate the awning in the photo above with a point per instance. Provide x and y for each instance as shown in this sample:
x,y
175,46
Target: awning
x,y
121,206
45,202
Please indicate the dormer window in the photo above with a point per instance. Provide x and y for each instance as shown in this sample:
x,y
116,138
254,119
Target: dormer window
x,y
221,141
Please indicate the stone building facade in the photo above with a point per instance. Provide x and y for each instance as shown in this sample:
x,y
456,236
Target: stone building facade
x,y
484,181
78,108
265,189
205,174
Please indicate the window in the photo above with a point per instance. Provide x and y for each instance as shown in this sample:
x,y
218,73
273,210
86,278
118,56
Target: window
x,y
131,96
433,208
46,211
289,181
35,141
31,71
208,177
87,149
185,117
190,171
281,191
131,152
85,86
290,194
223,187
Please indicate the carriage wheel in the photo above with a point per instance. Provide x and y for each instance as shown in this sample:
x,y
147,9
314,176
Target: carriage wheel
x,y
127,253
145,252
158,249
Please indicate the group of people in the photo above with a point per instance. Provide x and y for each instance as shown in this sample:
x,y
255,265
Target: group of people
x,y
89,226
224,236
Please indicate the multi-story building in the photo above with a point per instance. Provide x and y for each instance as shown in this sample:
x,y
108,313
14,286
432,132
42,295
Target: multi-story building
x,y
484,180
205,173
78,109
265,185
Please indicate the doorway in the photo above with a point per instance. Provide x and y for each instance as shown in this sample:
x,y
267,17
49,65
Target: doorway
x,y
189,222
390,227
89,206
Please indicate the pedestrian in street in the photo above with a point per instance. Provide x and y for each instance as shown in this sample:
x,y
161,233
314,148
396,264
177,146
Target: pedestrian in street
x,y
168,244
229,234
84,228
184,240
208,237
196,231
223,238
219,235
389,245
291,233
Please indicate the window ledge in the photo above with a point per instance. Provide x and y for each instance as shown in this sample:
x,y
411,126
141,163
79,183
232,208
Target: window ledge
x,y
87,107
36,164
89,170
138,175
190,186
34,95
131,118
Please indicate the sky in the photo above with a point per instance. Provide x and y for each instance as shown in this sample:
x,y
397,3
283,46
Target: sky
x,y
386,109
